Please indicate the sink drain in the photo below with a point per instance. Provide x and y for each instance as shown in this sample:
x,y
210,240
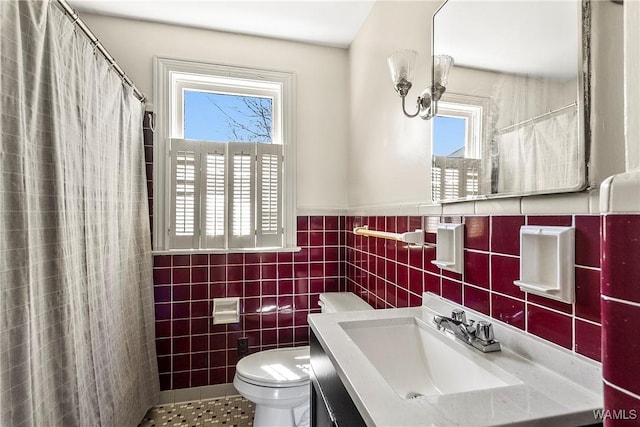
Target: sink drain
x,y
413,395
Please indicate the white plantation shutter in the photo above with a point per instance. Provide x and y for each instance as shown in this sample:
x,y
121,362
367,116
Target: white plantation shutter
x,y
451,180
242,195
471,178
460,179
269,196
226,195
436,180
185,159
214,194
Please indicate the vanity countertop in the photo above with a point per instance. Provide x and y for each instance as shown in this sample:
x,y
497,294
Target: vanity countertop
x,y
557,387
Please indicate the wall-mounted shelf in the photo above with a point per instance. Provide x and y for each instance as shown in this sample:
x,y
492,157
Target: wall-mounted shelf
x,y
449,247
547,262
412,237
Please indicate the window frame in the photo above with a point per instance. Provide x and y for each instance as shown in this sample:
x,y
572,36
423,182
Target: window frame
x,y
172,76
473,112
476,111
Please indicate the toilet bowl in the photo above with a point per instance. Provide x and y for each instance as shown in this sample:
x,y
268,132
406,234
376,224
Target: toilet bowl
x,y
277,380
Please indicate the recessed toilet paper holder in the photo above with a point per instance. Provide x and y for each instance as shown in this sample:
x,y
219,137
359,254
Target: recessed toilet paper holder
x,y
226,310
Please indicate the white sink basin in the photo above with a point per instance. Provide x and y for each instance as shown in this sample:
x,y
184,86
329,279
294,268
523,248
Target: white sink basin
x,y
416,360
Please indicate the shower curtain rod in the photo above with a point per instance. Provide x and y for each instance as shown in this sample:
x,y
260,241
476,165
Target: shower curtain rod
x,y
96,44
536,119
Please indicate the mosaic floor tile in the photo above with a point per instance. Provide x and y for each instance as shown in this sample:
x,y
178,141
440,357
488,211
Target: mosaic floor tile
x,y
225,411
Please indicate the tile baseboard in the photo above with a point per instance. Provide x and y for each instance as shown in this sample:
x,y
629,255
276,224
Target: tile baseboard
x,y
197,393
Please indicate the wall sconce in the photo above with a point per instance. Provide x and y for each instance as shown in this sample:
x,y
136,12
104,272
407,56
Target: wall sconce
x,y
401,66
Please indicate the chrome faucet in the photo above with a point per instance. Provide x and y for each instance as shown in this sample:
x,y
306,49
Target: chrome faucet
x,y
479,336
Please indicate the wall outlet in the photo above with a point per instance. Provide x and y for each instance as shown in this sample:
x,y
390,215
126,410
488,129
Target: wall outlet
x,y
243,347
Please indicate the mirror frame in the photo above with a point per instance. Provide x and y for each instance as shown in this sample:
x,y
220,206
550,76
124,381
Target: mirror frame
x,y
583,99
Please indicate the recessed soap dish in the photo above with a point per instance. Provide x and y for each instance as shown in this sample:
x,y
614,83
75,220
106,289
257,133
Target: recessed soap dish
x,y
449,247
547,262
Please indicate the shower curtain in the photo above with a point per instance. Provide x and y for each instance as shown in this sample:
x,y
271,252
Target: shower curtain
x,y
76,303
541,155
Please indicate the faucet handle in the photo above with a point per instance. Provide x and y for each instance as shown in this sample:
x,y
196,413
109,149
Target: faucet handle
x,y
458,314
484,331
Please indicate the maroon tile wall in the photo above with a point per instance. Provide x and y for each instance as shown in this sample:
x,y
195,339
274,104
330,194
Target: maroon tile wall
x,y
277,291
621,314
392,274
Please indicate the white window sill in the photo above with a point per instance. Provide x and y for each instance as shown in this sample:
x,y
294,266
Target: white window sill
x,y
225,251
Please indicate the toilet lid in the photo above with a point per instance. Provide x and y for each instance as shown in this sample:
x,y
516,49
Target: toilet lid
x,y
282,367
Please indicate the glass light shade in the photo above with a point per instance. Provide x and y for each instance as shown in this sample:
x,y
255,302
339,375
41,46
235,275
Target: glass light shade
x,y
441,66
402,65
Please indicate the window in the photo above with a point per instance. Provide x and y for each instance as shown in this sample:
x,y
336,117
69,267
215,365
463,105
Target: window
x,y
224,178
450,136
457,134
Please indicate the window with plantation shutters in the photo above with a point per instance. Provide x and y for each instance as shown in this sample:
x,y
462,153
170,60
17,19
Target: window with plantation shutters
x,y
224,135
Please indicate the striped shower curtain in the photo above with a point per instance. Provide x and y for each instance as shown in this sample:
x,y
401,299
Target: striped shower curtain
x,y
76,304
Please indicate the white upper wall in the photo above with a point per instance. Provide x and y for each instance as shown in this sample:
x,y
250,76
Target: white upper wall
x,y
321,87
389,154
632,84
607,91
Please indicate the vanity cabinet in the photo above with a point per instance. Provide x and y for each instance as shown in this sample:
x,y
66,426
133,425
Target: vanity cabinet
x,y
331,404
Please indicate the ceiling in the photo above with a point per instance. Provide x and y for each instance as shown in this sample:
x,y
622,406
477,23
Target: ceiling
x,y
324,22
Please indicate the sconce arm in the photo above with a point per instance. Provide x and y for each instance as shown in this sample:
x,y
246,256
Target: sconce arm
x,y
418,101
425,102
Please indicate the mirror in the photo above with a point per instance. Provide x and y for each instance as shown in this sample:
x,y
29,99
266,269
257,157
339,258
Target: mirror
x,y
512,120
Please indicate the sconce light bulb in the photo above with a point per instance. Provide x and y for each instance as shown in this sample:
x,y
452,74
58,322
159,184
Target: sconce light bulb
x,y
402,65
442,65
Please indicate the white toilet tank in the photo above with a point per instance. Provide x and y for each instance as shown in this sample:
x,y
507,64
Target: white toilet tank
x,y
333,302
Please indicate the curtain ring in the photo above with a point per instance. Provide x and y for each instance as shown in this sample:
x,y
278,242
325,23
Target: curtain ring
x,y
94,45
152,123
494,149
113,68
74,21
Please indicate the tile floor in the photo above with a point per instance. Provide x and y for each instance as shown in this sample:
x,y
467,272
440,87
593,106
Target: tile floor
x,y
224,411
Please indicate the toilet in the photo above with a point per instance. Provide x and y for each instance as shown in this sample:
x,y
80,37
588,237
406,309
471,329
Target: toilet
x,y
277,380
